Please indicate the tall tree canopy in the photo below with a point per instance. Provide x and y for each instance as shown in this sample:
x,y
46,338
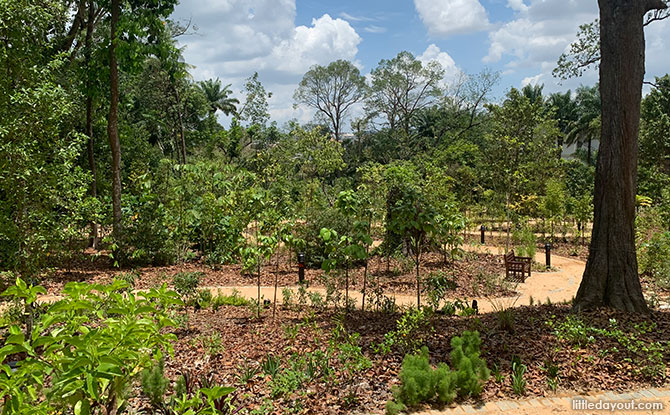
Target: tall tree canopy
x,y
332,90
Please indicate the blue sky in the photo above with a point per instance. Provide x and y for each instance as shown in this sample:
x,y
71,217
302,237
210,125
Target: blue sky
x,y
281,39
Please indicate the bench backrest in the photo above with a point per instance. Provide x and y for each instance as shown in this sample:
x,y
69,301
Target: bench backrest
x,y
509,256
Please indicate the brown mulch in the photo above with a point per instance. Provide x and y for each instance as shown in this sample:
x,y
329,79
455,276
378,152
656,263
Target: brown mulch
x,y
246,341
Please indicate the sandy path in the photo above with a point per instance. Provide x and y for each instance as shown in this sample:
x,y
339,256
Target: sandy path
x,y
558,286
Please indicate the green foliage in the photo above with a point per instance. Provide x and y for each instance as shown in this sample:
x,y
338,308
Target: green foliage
x,y
654,256
449,226
518,380
471,370
154,383
421,383
410,333
271,365
647,356
436,286
234,299
525,240
186,283
88,347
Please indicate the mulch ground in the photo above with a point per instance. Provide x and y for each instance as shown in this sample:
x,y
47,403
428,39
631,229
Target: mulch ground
x,y
245,341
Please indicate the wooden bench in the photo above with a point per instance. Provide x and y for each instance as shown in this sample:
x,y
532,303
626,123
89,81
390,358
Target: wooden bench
x,y
517,267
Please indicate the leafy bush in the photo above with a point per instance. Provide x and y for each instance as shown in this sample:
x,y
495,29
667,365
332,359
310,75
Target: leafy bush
x,y
88,347
234,299
186,283
154,383
409,335
525,241
421,383
436,285
471,370
655,258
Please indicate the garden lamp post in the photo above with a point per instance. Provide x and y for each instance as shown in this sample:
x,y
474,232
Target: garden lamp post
x,y
483,229
301,267
547,251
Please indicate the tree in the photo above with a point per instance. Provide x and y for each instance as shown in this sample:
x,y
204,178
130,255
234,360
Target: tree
x,y
219,98
586,127
611,274
129,22
520,149
332,90
255,108
585,52
655,141
565,112
401,87
533,93
113,119
414,219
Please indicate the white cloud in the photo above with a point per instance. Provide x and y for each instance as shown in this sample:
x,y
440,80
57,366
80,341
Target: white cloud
x,y
433,53
236,38
449,17
532,80
517,5
347,16
375,29
532,42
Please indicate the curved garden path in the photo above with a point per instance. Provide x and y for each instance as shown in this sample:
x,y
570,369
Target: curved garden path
x,y
558,285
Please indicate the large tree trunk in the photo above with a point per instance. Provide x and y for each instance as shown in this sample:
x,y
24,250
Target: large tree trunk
x,y
93,243
113,121
611,276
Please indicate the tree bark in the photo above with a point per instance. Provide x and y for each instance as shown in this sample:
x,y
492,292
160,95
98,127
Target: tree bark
x,y
113,121
93,243
611,276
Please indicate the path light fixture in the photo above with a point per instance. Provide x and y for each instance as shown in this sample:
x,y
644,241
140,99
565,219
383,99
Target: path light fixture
x,y
301,267
483,229
547,251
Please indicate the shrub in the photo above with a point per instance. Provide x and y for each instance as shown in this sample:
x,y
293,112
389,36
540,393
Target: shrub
x,y
154,383
525,240
186,283
471,370
436,286
88,347
655,258
234,299
421,383
410,332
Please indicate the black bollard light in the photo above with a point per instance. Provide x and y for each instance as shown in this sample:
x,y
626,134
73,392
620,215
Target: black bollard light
x,y
483,229
547,251
301,267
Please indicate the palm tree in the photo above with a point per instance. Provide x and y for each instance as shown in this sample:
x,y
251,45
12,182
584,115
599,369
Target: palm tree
x,y
565,112
587,127
533,93
219,98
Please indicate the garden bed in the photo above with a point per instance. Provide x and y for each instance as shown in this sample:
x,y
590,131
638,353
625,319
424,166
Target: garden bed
x,y
473,275
225,344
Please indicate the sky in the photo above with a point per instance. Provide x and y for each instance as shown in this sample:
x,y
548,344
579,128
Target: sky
x,y
282,39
